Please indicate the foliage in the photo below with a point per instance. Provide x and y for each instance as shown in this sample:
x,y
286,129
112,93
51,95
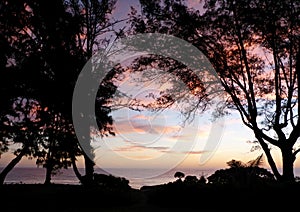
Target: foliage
x,y
190,179
240,173
202,180
60,144
254,47
45,45
21,128
111,182
179,175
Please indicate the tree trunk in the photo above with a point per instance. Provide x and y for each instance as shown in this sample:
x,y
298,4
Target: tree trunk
x,y
89,170
49,165
10,166
75,169
269,157
49,169
287,165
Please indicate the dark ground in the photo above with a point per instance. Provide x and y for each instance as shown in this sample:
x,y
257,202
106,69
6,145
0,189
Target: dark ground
x,y
75,198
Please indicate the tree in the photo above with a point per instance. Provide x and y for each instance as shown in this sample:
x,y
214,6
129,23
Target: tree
x,y
27,73
28,68
179,175
21,129
60,144
191,179
93,25
202,180
263,86
44,54
240,173
254,47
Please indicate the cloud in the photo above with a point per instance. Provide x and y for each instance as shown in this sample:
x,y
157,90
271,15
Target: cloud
x,y
138,148
142,157
194,152
190,135
158,148
176,137
184,152
132,148
140,116
142,124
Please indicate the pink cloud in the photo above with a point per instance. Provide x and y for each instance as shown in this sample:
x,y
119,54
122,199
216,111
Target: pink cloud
x,y
137,125
194,152
138,148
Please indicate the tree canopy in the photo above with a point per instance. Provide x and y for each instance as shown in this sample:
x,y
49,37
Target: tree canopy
x,y
45,45
242,174
254,47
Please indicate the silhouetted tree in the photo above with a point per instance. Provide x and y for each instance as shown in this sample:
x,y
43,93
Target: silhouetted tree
x,y
270,75
241,173
254,47
179,175
93,24
61,145
28,73
21,130
191,180
45,47
202,180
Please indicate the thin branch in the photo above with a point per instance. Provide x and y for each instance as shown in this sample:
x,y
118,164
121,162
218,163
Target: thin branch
x,y
296,152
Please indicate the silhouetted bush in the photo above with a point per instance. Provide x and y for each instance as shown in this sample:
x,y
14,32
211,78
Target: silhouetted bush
x,y
190,179
241,176
111,182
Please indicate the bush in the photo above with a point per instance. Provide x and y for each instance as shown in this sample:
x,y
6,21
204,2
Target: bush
x,y
111,182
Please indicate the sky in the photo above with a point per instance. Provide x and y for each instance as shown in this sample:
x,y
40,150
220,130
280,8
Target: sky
x,y
149,139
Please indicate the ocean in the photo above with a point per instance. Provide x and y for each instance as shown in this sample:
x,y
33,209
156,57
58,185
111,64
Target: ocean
x,y
67,176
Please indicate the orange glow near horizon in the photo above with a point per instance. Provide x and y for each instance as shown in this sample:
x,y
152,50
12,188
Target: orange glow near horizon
x,y
232,146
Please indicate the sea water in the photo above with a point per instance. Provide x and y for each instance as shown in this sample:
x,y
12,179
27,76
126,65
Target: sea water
x,y
67,176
